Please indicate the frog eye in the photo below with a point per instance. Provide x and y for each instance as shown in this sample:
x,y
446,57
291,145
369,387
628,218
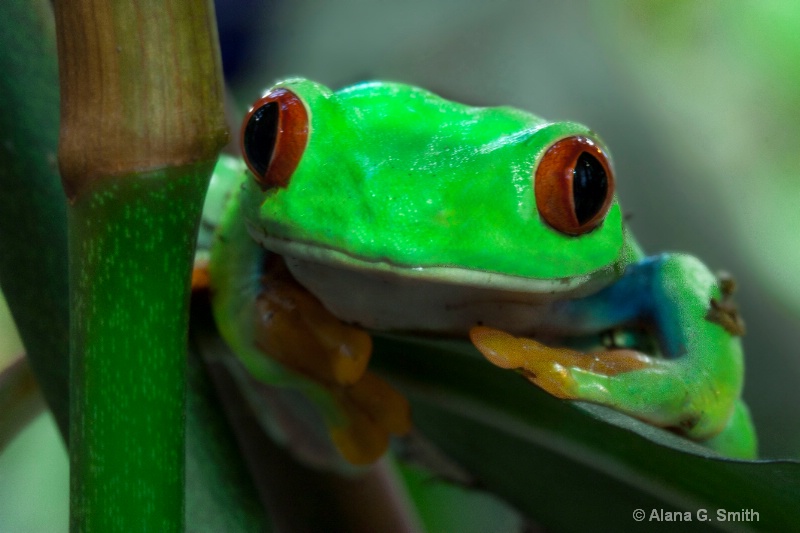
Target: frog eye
x,y
574,185
274,136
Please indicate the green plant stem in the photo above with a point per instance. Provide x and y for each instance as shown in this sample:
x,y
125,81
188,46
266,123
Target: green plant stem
x,y
133,243
33,274
141,125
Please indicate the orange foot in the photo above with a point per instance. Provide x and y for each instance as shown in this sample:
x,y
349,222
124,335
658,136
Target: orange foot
x,y
547,367
294,328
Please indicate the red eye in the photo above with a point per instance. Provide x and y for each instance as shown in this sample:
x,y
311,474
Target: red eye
x,y
274,136
574,185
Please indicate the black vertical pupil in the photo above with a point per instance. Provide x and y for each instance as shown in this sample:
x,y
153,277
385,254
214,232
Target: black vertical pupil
x,y
589,187
260,136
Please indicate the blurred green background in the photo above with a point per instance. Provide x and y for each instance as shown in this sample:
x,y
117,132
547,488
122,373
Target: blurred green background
x,y
697,101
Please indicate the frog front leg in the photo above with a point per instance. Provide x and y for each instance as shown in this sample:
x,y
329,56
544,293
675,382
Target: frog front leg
x,y
285,337
692,386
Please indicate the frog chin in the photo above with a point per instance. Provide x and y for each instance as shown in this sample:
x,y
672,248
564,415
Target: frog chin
x,y
428,299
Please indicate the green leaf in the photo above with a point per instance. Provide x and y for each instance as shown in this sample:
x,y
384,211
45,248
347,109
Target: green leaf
x,y
220,495
33,218
567,467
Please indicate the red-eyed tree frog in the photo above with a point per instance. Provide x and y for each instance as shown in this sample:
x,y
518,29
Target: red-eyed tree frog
x,y
383,207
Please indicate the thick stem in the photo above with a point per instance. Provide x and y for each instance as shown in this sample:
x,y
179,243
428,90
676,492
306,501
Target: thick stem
x,y
141,126
132,243
141,87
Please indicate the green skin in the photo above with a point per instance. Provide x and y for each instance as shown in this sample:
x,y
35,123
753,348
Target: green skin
x,y
399,182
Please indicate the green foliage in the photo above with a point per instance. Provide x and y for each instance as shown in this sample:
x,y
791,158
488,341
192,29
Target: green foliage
x,y
554,460
33,216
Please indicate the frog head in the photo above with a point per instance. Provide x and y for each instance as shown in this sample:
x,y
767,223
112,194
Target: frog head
x,y
386,177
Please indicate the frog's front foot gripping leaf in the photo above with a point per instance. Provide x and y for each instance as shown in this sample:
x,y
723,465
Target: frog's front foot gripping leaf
x,y
692,382
286,338
293,328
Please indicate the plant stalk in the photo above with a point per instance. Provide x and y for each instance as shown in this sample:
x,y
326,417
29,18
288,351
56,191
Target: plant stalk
x,y
141,126
131,243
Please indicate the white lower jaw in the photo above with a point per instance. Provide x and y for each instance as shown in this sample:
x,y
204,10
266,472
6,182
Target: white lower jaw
x,y
444,300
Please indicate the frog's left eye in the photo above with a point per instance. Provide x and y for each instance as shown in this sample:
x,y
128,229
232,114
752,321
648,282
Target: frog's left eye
x,y
274,136
574,185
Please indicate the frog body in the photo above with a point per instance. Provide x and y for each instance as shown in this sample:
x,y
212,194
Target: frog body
x,y
400,211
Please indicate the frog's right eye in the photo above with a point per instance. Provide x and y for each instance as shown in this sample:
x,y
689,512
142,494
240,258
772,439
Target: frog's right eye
x,y
574,186
274,136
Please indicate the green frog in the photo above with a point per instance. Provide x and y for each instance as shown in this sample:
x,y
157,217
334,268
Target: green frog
x,y
382,207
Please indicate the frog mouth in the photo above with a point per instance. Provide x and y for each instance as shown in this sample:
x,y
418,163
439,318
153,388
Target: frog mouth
x,y
439,299
557,288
